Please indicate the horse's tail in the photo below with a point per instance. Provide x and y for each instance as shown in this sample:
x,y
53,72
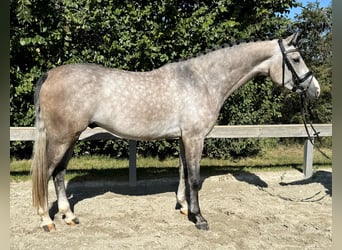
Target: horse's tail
x,y
39,166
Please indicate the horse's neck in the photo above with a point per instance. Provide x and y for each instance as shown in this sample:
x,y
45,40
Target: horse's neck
x,y
227,69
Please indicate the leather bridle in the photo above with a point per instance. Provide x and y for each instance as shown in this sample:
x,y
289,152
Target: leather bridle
x,y
297,80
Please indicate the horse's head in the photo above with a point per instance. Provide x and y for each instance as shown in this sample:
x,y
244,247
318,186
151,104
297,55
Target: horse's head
x,y
289,69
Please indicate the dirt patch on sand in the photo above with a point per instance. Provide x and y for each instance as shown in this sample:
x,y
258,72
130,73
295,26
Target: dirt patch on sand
x,y
265,210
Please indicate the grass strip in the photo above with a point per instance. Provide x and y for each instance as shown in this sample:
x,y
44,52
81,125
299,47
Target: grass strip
x,y
107,168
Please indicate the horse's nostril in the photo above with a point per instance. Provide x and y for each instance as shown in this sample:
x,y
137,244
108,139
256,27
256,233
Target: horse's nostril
x,y
318,92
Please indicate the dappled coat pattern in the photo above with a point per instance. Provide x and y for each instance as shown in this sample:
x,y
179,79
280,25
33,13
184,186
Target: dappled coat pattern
x,y
178,100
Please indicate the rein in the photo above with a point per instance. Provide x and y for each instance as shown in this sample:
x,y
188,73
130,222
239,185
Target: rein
x,y
297,81
305,113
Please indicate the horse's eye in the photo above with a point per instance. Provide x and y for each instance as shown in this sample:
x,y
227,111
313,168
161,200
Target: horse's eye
x,y
296,59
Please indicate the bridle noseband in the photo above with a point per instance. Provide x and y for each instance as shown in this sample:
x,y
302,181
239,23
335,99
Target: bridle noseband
x,y
297,80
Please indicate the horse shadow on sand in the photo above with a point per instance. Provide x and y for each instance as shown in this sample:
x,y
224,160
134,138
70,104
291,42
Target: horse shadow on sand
x,y
322,177
85,187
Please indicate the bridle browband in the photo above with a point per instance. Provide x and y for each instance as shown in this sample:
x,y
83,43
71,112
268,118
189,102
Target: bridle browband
x,y
297,80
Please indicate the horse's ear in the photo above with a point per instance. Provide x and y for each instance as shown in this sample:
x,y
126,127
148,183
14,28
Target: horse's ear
x,y
293,39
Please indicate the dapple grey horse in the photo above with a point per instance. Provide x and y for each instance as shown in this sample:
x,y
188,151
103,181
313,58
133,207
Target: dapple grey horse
x,y
178,100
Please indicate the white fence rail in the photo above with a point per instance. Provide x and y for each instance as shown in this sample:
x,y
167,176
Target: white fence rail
x,y
240,131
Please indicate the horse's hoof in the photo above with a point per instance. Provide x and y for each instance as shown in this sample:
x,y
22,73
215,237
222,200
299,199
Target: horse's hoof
x,y
202,225
49,228
184,211
73,222
199,221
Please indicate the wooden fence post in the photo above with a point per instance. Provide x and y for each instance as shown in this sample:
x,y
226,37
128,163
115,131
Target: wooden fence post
x,y
308,158
132,163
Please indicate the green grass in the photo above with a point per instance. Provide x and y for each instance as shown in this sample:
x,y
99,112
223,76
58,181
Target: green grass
x,y
102,167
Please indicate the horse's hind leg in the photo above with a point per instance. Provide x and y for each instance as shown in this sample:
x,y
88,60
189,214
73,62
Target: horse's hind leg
x,y
56,153
58,179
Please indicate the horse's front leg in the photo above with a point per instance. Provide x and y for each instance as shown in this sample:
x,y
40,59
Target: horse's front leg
x,y
193,150
181,192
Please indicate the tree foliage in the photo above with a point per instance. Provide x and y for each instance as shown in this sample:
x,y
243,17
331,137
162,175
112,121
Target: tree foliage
x,y
315,25
140,36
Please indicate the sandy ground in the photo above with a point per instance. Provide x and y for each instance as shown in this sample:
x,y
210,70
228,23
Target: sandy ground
x,y
265,210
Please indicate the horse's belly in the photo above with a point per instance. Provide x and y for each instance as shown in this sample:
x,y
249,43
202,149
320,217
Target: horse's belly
x,y
140,129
